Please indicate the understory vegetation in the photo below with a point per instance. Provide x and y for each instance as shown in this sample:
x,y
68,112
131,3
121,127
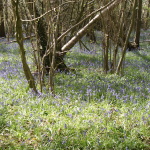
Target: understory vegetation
x,y
91,110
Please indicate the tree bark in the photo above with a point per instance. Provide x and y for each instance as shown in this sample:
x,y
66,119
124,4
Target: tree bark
x,y
127,39
42,35
138,23
19,38
147,22
47,58
105,52
114,63
2,26
2,29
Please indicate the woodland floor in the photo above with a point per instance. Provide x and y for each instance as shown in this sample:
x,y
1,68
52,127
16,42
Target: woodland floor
x,y
91,110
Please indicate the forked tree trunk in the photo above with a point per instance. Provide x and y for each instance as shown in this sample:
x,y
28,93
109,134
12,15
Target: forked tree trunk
x,y
47,58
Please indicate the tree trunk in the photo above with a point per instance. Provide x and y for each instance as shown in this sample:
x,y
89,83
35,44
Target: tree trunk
x,y
105,52
19,38
115,52
2,29
138,23
90,34
147,22
42,35
47,58
127,39
2,26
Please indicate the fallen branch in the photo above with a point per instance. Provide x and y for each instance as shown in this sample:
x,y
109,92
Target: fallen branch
x,y
83,31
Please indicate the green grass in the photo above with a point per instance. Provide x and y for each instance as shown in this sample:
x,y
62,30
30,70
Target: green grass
x,y
90,111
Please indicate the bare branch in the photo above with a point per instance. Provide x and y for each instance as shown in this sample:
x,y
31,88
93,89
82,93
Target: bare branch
x,y
83,31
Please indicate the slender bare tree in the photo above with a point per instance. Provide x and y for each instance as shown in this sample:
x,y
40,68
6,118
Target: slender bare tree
x,y
138,23
127,38
20,39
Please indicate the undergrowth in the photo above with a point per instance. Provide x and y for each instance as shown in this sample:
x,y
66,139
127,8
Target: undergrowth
x,y
91,110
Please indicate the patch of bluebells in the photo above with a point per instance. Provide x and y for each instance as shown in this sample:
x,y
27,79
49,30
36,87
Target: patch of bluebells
x,y
133,87
11,66
90,86
83,88
9,70
93,88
